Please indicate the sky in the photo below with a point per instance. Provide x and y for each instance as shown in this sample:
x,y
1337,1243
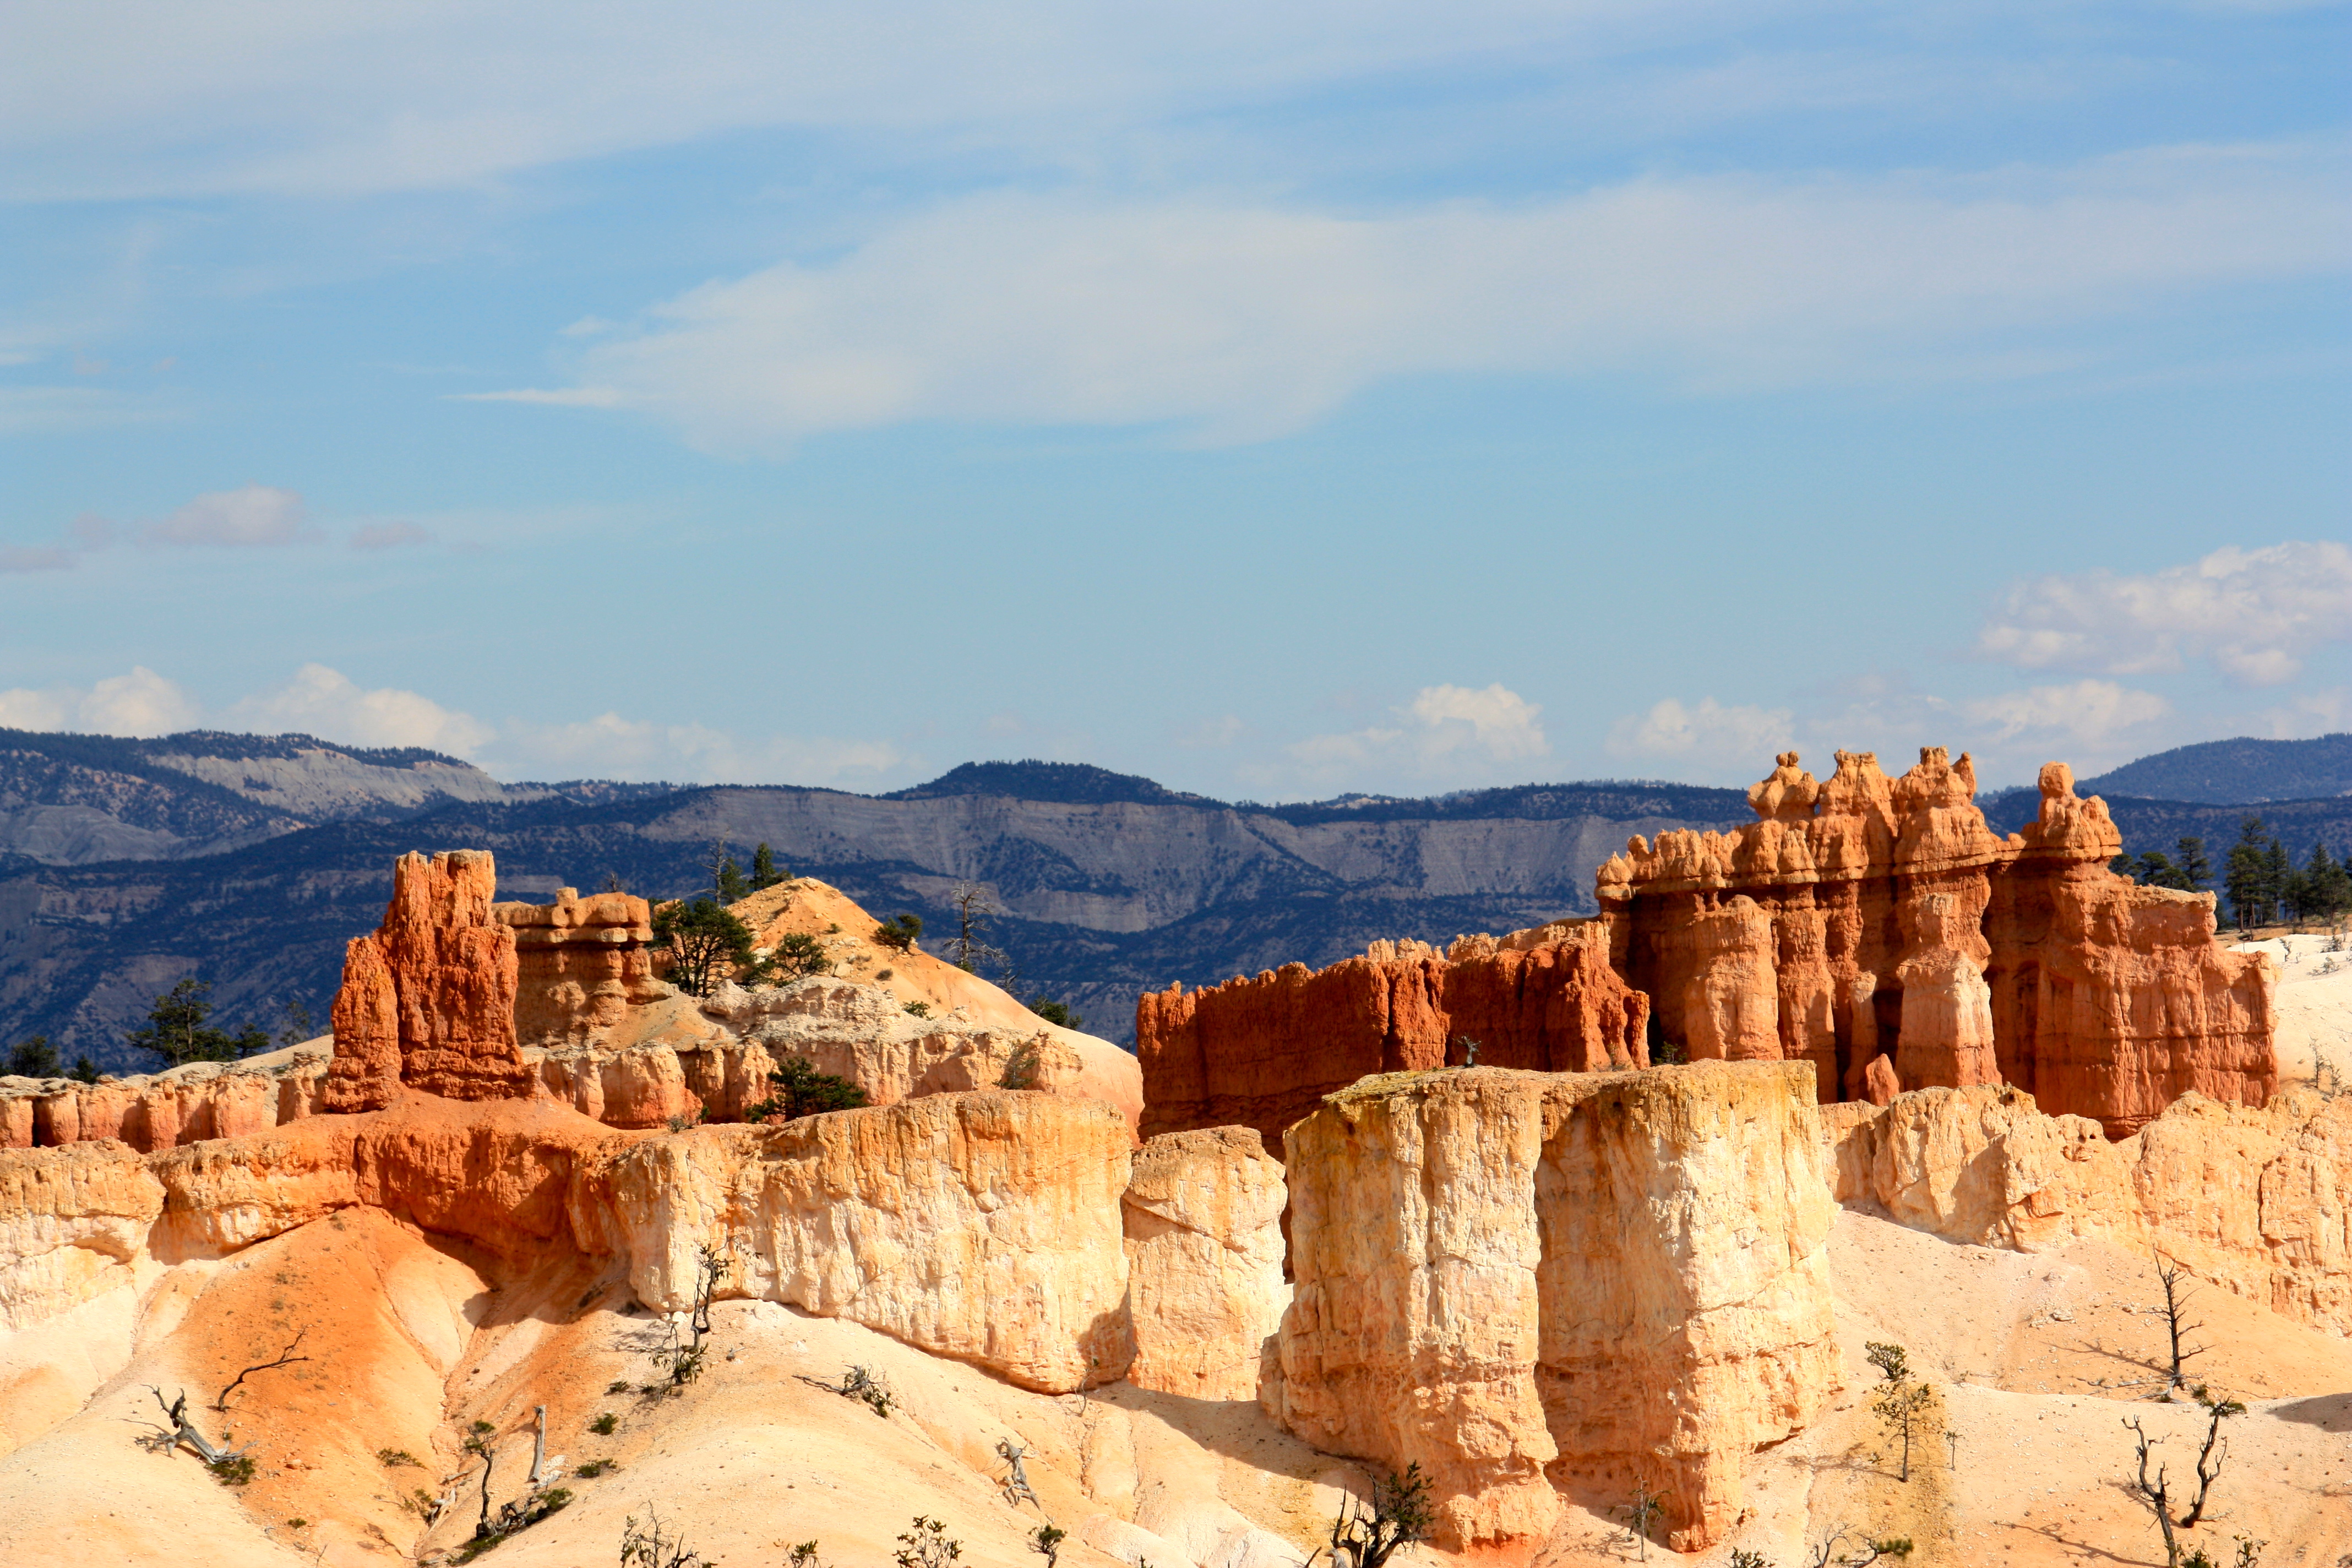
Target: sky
x,y
1274,401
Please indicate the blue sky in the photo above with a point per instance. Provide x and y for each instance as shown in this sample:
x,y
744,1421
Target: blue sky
x,y
1275,401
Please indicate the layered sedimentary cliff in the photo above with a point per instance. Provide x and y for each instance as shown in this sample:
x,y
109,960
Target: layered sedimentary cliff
x,y
1863,920
580,964
1870,926
1262,1052
1521,1282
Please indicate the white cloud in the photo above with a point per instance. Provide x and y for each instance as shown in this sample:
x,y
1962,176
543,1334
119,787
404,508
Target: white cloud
x,y
1740,737
2325,711
36,558
610,746
249,516
207,96
1445,732
330,705
2087,714
142,703
1238,323
2256,613
560,397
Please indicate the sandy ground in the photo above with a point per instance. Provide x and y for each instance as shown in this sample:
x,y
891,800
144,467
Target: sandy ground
x,y
2315,1006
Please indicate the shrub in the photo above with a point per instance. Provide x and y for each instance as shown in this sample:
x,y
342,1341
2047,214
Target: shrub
x,y
603,1425
899,935
593,1468
919,1010
801,1090
926,1545
1055,1012
796,956
34,1059
393,1458
237,1470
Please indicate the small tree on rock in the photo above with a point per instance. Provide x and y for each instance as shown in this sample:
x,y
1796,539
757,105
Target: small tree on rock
x,y
35,1057
176,1029
899,935
705,944
2178,1292
801,1090
796,956
764,874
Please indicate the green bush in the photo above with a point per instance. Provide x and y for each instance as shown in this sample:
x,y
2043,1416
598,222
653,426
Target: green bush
x,y
900,934
801,1090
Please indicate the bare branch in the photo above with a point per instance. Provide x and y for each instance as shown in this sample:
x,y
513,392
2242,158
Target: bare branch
x,y
284,1358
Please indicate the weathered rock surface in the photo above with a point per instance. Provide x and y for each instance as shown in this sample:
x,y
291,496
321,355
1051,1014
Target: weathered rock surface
x,y
1518,1279
202,1099
980,1227
1204,1249
428,998
985,1228
1900,930
580,964
2257,1200
1262,1052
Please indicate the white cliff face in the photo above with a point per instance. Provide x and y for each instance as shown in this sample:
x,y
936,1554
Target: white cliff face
x,y
1205,1292
2255,1200
980,1227
1507,1277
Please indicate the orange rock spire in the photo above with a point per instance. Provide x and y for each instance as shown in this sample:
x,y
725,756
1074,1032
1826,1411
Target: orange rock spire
x,y
428,998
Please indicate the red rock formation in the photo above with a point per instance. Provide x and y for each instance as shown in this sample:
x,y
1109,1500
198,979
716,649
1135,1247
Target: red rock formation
x,y
1263,1053
428,998
1865,918
580,964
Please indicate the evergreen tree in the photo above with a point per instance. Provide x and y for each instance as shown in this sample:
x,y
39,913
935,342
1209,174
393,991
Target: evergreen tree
x,y
2196,870
2327,885
84,1071
706,944
2247,873
801,1090
2279,888
176,1029
764,868
34,1059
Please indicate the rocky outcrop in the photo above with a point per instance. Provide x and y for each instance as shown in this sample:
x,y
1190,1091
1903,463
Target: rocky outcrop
x,y
2256,1200
1262,1052
202,1099
1863,920
428,998
980,1226
1204,1224
580,964
1523,1280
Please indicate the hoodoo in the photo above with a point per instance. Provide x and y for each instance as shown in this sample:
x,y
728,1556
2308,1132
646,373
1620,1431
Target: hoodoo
x,y
1873,927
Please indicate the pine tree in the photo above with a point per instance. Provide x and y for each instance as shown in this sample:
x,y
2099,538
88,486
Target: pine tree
x,y
2278,878
2196,870
176,1029
2244,879
764,868
2328,886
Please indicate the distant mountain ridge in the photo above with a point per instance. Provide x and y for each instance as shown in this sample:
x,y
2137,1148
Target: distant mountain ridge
x,y
2241,771
1107,884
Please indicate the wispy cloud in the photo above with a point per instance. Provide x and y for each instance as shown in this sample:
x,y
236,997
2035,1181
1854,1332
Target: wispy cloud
x,y
2256,613
1238,323
1712,734
247,517
612,746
